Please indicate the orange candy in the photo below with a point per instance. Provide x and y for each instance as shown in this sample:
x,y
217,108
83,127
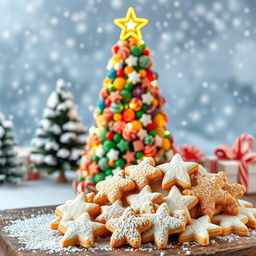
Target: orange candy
x,y
119,83
166,144
159,119
143,73
136,125
155,102
128,115
111,163
128,70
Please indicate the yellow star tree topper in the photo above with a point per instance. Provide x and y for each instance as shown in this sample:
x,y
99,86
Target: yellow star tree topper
x,y
131,25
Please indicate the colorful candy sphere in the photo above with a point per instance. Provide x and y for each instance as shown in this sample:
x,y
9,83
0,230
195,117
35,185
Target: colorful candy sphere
x,y
135,104
126,95
99,177
136,51
119,83
166,144
150,150
108,144
116,107
103,163
128,115
136,125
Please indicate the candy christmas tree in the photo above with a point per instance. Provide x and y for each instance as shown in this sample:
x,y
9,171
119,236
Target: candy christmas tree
x,y
129,120
59,139
9,166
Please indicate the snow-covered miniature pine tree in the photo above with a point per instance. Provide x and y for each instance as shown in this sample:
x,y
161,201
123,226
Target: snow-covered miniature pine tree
x,y
9,166
59,139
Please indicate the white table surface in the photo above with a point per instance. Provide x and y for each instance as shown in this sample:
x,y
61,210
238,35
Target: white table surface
x,y
36,193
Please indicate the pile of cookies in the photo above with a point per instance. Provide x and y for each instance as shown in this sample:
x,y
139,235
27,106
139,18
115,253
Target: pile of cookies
x,y
145,203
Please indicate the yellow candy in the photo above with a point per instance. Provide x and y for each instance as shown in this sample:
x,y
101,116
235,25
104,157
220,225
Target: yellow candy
x,y
159,119
143,73
160,131
115,59
128,70
166,144
117,117
136,125
119,83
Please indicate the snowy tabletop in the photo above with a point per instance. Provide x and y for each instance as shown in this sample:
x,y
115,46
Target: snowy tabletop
x,y
36,193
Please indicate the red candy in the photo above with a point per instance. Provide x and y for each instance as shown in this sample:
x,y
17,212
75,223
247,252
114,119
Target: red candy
x,y
151,126
146,52
120,73
136,104
109,135
115,49
108,102
103,93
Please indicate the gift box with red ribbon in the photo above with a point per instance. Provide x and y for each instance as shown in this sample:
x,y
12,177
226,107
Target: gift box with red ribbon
x,y
239,162
23,156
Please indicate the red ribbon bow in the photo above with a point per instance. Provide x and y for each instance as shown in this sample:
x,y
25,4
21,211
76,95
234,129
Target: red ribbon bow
x,y
242,152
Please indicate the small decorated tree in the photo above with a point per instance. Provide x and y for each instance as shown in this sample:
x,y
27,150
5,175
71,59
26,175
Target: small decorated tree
x,y
59,139
9,166
130,123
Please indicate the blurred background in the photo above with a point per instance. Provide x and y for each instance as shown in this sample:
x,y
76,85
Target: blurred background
x,y
204,52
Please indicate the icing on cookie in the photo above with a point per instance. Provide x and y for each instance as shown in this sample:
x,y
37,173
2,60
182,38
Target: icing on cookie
x,y
127,229
176,201
177,172
163,225
143,201
142,173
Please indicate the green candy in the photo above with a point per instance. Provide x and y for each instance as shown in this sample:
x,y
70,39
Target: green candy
x,y
103,163
90,178
126,95
99,177
143,61
123,145
100,111
129,86
152,133
117,137
111,89
139,114
136,51
149,140
95,158
103,135
139,155
116,107
108,144
120,163
80,179
145,107
108,172
143,46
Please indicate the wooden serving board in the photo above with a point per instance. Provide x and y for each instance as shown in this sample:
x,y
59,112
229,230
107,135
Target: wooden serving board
x,y
9,246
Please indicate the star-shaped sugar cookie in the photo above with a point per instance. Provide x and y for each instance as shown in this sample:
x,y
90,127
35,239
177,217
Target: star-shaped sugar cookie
x,y
134,77
146,119
176,201
142,173
163,225
81,231
251,214
209,192
71,210
232,224
177,172
131,61
140,202
127,229
235,190
112,188
199,231
147,98
109,212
